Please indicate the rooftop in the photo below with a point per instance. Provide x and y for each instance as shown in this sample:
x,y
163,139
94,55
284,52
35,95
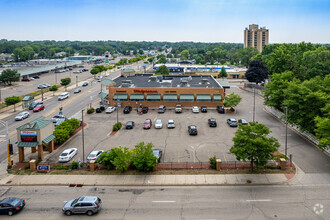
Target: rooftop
x,y
171,81
37,123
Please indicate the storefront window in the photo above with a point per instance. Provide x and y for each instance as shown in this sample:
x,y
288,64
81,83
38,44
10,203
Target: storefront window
x,y
170,97
120,97
153,97
187,98
203,98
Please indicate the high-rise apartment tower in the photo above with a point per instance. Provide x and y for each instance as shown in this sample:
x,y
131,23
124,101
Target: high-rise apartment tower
x,y
256,37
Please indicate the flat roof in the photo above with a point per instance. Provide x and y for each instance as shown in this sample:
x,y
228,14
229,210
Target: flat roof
x,y
190,66
170,81
47,68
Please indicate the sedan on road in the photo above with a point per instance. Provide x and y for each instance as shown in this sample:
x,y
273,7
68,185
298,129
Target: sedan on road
x,y
195,109
158,154
55,118
85,84
158,124
41,86
192,130
67,155
110,109
83,205
94,155
232,122
77,90
34,104
10,206
21,116
39,108
129,125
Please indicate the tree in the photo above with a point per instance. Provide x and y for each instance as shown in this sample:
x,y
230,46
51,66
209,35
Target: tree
x,y
94,71
323,132
169,55
223,73
61,135
162,70
13,100
65,82
257,72
106,158
251,143
122,159
184,54
53,88
143,158
232,100
162,60
151,59
8,76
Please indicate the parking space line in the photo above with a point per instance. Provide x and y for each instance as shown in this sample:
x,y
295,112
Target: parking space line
x,y
224,156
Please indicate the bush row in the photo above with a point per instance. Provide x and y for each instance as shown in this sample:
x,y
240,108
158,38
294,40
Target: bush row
x,y
63,131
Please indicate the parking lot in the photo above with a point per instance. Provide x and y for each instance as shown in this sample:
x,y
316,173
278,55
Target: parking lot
x,y
177,144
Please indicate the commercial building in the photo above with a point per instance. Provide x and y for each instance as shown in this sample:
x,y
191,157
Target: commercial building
x,y
152,91
188,68
256,37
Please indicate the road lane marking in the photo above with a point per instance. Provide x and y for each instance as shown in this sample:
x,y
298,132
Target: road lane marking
x,y
163,201
260,200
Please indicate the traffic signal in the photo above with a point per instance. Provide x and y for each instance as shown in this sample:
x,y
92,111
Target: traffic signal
x,y
11,151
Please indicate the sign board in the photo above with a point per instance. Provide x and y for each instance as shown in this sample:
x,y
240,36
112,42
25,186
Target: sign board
x,y
119,105
29,136
43,167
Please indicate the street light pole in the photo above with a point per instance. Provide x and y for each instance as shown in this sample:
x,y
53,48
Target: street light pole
x,y
42,95
286,131
254,104
76,80
82,132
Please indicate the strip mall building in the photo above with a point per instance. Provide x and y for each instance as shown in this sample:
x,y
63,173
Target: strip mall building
x,y
153,91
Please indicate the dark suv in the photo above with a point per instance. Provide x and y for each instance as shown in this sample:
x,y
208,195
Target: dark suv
x,y
127,109
192,130
212,122
221,109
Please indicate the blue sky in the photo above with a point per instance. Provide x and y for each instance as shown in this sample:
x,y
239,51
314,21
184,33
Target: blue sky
x,y
288,21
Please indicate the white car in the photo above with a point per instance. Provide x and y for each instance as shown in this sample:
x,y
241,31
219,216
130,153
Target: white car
x,y
107,74
110,110
94,155
170,124
67,155
158,123
21,116
195,109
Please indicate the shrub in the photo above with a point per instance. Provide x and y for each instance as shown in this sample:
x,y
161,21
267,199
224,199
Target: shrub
x,y
279,156
90,110
60,167
143,158
106,159
116,126
65,129
74,165
271,167
27,166
61,135
213,162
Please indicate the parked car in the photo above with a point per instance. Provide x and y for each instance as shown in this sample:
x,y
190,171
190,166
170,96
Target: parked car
x,y
77,71
85,84
145,110
31,78
83,205
170,124
158,154
127,109
204,109
26,79
242,121
39,108
110,109
98,110
67,155
147,124
158,124
34,104
41,86
212,122
77,90
85,70
192,130
161,109
221,109
46,85
11,205
21,116
36,77
178,108
129,125
195,109
94,155
55,118
232,122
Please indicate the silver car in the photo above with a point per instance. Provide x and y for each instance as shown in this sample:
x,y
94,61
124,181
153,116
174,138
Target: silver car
x,y
83,205
158,123
22,116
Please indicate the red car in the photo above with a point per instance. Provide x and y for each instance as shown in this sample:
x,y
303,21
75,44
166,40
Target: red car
x,y
147,124
39,108
26,79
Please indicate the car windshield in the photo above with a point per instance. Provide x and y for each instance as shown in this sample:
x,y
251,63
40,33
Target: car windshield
x,y
192,127
129,123
171,122
92,155
146,123
20,114
64,154
38,106
158,121
15,202
74,202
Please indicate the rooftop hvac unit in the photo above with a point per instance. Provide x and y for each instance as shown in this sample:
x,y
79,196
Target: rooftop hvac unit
x,y
128,81
204,81
153,78
184,82
125,85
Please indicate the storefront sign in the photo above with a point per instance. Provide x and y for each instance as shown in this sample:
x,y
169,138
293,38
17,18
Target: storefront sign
x,y
118,91
43,167
145,91
29,136
170,91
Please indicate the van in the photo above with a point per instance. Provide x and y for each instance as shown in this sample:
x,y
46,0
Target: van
x,y
63,96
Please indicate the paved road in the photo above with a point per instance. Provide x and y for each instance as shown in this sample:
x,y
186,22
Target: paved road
x,y
227,202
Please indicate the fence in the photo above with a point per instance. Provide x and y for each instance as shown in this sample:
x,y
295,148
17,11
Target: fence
x,y
227,165
183,165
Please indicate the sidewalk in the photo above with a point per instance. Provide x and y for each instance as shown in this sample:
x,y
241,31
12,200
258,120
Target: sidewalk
x,y
143,180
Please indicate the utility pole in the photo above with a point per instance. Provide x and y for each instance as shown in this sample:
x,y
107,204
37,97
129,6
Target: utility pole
x,y
254,104
82,132
42,95
286,131
76,81
117,113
